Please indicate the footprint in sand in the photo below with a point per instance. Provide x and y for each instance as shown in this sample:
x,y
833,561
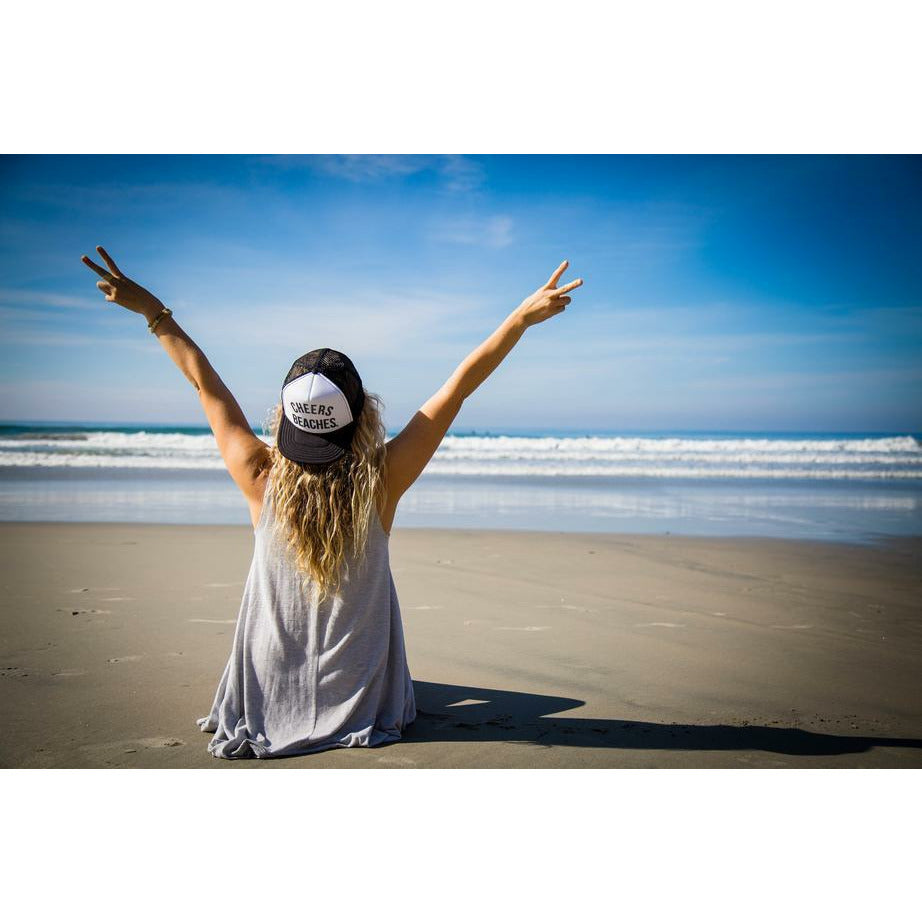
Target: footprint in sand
x,y
531,627
150,742
96,589
658,624
132,658
13,672
159,742
567,607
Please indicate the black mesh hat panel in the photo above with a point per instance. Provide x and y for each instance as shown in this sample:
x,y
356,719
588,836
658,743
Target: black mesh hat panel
x,y
322,397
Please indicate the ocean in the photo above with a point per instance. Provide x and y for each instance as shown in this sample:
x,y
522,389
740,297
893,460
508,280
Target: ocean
x,y
829,486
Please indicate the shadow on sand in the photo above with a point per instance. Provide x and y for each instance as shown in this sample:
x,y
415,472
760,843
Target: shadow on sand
x,y
509,716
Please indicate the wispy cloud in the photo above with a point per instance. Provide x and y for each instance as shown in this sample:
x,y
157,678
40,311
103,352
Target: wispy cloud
x,y
894,320
457,173
47,337
11,297
494,231
695,344
44,398
794,381
35,317
369,322
461,174
735,327
369,167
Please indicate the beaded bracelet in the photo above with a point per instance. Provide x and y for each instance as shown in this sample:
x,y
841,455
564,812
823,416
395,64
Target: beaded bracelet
x,y
165,312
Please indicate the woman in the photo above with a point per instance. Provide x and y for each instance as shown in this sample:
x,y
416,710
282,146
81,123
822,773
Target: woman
x,y
318,658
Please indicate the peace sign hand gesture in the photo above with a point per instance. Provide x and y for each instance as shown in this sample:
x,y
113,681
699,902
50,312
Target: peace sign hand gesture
x,y
117,287
547,300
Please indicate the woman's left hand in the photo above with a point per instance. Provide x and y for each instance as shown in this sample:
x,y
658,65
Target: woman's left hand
x,y
117,287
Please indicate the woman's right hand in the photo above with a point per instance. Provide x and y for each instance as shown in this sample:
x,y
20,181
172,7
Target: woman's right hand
x,y
547,300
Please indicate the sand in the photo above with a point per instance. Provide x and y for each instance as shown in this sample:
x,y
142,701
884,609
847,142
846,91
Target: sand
x,y
527,649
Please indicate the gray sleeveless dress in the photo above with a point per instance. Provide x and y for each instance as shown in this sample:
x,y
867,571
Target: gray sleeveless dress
x,y
304,676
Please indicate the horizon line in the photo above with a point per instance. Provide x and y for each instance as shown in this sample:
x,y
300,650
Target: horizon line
x,y
486,430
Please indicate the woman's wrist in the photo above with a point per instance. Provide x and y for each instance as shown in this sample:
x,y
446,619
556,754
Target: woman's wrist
x,y
517,320
151,312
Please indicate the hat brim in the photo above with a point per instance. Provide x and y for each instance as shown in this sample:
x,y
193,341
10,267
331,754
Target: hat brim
x,y
304,447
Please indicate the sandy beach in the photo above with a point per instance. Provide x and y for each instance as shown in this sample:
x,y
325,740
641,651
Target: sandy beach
x,y
527,649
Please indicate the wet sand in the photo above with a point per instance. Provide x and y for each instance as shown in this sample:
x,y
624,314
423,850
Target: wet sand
x,y
527,649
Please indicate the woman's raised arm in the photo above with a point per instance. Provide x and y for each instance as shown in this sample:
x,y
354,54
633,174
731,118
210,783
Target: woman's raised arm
x,y
244,453
120,289
409,452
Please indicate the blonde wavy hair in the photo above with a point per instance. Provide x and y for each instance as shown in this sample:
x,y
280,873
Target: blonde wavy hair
x,y
325,510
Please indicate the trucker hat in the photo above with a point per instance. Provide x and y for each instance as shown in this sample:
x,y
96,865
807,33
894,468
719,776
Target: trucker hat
x,y
322,398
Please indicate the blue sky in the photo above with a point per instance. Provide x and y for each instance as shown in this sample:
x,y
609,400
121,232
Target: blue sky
x,y
746,293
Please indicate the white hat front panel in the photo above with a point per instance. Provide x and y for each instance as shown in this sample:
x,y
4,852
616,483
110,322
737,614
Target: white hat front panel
x,y
315,404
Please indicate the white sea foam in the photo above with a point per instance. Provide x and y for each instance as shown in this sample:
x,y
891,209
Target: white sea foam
x,y
884,458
